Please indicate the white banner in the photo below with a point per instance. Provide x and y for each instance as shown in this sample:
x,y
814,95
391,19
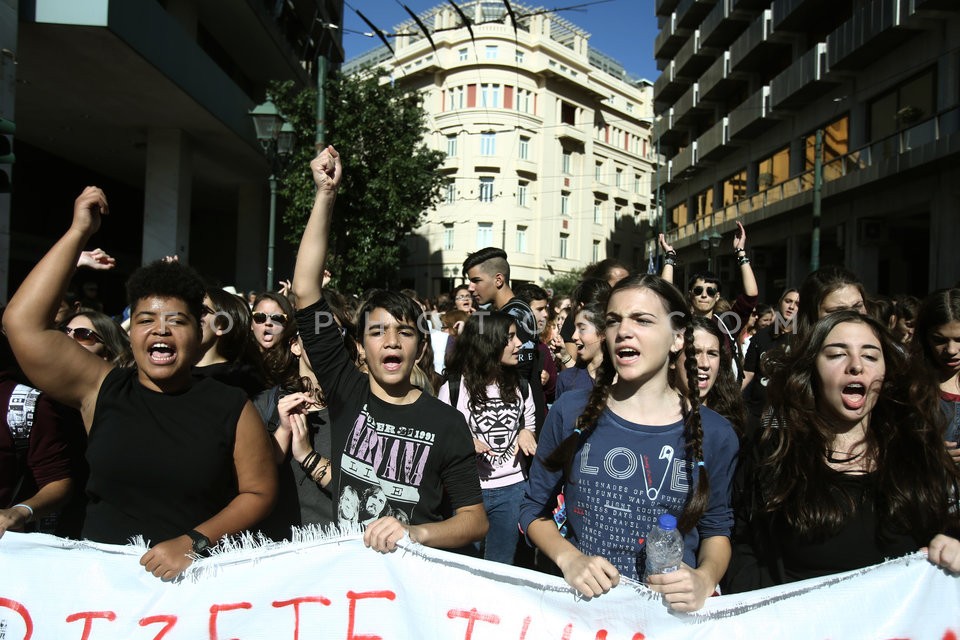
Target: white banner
x,y
61,590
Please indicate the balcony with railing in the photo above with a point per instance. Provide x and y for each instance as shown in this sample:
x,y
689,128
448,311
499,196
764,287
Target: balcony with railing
x,y
693,59
714,143
753,46
666,7
685,160
690,13
717,82
927,141
723,25
874,29
668,87
799,15
803,81
686,106
665,130
670,38
752,116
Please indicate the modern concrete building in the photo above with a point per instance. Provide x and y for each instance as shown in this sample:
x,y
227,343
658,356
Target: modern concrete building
x,y
149,99
746,86
547,142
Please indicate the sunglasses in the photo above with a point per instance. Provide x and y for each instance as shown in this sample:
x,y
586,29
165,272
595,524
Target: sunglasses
x,y
711,291
83,336
276,318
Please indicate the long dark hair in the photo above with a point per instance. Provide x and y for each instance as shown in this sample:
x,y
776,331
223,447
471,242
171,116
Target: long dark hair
x,y
916,480
236,343
939,308
116,342
476,357
724,397
279,365
675,304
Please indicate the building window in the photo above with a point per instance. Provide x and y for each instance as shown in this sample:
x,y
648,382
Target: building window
x,y
678,215
597,212
519,57
567,162
462,54
617,214
735,188
596,251
636,183
452,146
490,95
774,169
484,234
836,144
524,148
565,203
568,113
629,107
486,190
521,239
905,106
488,144
563,244
450,193
704,203
598,170
522,190
524,100
456,98
448,236
619,178
490,52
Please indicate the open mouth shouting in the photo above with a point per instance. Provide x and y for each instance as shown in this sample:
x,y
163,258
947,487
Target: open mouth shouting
x,y
392,363
854,396
162,353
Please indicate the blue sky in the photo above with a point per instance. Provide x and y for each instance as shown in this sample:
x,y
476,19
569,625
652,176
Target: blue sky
x,y
622,29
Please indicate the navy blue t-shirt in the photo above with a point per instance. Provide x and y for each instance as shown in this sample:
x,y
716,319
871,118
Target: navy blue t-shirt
x,y
624,475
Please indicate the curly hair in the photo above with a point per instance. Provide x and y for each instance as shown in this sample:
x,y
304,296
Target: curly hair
x,y
939,308
476,357
167,280
915,476
817,286
675,305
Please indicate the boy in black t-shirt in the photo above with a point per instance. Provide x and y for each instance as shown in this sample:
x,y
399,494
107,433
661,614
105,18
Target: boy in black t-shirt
x,y
400,456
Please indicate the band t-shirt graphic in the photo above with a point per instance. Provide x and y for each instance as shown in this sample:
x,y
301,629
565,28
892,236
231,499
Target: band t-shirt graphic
x,y
385,465
415,462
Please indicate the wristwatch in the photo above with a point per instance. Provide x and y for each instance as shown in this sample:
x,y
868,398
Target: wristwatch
x,y
201,543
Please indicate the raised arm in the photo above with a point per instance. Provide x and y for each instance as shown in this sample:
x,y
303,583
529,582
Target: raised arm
x,y
669,258
53,361
308,273
750,288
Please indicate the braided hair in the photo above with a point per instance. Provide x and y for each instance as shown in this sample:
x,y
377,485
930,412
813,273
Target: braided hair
x,y
676,306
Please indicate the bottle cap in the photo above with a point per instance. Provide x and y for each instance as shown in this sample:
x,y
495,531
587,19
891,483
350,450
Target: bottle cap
x,y
667,522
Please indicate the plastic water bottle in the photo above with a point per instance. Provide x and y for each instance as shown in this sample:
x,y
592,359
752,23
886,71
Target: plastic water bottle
x,y
664,546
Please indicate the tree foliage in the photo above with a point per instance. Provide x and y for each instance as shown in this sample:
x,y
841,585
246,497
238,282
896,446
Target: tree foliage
x,y
562,284
391,178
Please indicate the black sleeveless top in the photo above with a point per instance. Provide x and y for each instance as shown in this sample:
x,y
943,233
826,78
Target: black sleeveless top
x,y
160,463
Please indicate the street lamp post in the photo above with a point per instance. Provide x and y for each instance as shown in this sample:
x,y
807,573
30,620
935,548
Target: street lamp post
x,y
276,136
708,244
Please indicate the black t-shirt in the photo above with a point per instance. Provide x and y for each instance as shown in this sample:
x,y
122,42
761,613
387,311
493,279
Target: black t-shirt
x,y
234,375
388,459
160,463
755,395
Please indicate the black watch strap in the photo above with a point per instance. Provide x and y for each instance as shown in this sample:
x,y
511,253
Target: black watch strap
x,y
201,543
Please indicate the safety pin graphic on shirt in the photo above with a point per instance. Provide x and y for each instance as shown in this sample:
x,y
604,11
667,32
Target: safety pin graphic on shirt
x,y
666,453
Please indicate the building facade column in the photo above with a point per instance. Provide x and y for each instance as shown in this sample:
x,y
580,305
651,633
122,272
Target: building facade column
x,y
945,232
167,196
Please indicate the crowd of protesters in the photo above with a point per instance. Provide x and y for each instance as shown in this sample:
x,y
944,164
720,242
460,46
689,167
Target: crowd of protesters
x,y
809,436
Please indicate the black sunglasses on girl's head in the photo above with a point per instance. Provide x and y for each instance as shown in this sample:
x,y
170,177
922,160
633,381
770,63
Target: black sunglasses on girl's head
x,y
83,335
276,318
711,291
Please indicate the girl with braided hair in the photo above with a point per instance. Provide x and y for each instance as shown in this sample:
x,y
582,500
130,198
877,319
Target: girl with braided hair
x,y
631,449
